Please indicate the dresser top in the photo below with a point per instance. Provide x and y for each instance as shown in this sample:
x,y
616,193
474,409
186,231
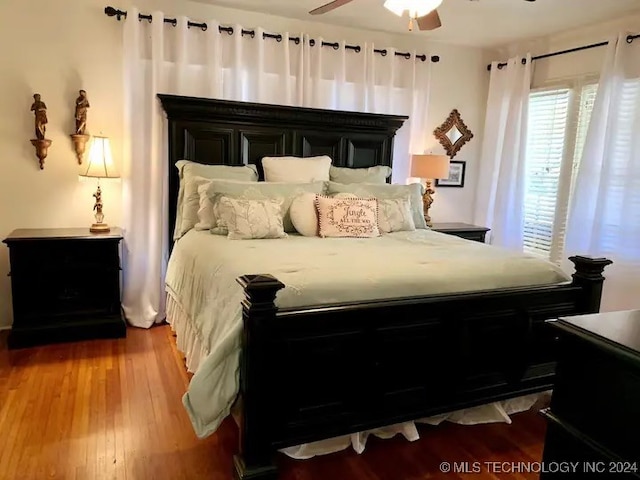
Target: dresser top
x,y
457,227
620,330
31,234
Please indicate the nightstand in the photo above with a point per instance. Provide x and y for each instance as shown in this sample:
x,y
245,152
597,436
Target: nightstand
x,y
65,285
462,230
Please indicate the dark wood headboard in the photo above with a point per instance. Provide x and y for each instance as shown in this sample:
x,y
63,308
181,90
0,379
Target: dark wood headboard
x,y
221,132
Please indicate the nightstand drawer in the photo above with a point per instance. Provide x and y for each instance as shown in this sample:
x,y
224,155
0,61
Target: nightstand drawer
x,y
37,256
66,294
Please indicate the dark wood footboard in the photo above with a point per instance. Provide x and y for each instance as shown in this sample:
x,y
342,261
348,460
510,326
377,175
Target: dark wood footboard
x,y
318,372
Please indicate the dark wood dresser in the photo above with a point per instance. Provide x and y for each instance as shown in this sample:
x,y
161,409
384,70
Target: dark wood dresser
x,y
594,417
462,230
65,285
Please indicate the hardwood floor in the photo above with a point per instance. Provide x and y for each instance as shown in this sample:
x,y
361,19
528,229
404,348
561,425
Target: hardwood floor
x,y
112,409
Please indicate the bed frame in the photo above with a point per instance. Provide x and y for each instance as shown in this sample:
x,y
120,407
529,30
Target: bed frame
x,y
322,371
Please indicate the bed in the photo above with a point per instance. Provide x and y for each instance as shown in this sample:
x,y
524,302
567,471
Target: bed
x,y
451,324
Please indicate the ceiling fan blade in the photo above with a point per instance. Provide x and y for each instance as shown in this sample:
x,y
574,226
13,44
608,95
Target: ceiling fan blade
x,y
430,21
329,6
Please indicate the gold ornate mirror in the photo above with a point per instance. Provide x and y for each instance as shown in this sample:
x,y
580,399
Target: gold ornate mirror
x,y
453,133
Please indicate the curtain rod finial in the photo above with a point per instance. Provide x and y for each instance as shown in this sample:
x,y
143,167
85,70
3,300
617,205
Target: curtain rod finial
x,y
114,12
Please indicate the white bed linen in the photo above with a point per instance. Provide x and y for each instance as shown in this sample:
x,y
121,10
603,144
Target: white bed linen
x,y
204,294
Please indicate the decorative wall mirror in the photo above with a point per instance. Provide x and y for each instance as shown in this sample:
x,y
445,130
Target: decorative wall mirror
x,y
453,133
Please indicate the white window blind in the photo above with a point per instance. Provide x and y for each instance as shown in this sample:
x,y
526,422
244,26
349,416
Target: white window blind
x,y
587,100
558,123
546,138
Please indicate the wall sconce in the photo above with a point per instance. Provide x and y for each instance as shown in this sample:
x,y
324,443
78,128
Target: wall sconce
x,y
79,138
41,143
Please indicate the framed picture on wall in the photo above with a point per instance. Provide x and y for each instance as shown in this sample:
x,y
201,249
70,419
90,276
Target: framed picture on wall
x,y
456,175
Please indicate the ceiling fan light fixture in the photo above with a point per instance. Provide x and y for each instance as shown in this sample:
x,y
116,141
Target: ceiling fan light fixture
x,y
416,8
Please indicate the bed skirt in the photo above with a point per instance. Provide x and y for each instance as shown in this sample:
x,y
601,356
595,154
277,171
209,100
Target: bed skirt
x,y
190,344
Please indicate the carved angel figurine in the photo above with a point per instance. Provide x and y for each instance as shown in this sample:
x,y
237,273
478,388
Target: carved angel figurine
x,y
82,104
40,110
98,206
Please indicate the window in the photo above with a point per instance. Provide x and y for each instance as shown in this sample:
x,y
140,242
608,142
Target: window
x,y
557,128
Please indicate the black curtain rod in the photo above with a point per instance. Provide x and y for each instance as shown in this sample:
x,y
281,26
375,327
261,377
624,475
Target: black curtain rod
x,y
630,39
119,14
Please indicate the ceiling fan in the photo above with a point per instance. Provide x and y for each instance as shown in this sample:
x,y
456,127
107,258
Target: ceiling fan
x,y
423,12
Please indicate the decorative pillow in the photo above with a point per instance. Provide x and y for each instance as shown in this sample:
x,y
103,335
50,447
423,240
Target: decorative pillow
x,y
377,174
188,198
304,214
296,169
394,215
347,217
259,191
381,192
247,219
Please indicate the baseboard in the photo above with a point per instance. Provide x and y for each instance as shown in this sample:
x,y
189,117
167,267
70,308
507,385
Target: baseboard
x,y
5,327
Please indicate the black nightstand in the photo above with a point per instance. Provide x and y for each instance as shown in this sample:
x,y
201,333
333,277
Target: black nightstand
x,y
463,230
65,285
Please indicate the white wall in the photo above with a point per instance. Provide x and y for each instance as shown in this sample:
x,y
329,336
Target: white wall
x,y
57,47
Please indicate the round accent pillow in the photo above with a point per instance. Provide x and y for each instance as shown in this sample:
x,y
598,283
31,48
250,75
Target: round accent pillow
x,y
304,215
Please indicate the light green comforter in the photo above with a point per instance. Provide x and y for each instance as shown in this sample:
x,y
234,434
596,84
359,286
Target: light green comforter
x,y
202,272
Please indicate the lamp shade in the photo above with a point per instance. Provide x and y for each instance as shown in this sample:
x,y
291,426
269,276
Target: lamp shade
x,y
416,8
100,162
430,166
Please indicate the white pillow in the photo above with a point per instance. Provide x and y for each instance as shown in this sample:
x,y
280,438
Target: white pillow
x,y
249,219
296,169
304,214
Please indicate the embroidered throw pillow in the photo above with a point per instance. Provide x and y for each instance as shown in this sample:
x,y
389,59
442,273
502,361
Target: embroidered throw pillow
x,y
347,217
247,219
394,215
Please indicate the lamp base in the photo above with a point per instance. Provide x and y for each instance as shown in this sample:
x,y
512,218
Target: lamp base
x,y
100,228
427,201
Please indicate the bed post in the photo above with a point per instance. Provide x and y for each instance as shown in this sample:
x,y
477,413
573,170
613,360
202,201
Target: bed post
x,y
255,461
588,276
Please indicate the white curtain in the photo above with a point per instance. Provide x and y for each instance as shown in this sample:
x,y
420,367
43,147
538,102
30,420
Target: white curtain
x,y
160,58
604,214
501,184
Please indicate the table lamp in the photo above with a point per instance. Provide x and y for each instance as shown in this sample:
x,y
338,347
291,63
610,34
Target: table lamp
x,y
100,165
429,167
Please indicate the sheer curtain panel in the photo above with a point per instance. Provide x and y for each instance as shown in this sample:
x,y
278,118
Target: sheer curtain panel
x,y
604,214
160,58
500,197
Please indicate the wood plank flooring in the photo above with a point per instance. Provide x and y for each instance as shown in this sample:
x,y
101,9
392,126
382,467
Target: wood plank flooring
x,y
111,409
